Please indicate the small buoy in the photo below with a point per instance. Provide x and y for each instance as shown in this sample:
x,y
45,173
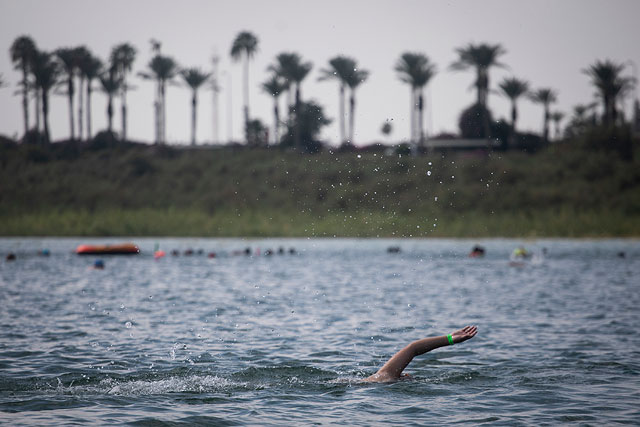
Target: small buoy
x,y
158,254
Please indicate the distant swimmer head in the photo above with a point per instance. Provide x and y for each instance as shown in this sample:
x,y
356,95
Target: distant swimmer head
x,y
477,251
11,257
98,264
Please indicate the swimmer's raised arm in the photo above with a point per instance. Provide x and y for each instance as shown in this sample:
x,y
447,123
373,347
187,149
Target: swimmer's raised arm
x,y
392,370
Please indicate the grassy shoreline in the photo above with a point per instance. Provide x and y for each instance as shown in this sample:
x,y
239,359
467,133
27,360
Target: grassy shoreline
x,y
135,190
179,223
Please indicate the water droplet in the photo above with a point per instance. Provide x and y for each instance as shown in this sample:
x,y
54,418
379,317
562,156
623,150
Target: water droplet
x,y
428,173
128,325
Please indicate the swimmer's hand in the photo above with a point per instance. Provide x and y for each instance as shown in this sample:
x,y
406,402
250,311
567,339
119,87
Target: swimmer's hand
x,y
464,334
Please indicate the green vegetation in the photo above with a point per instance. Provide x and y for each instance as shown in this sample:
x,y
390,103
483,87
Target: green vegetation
x,y
570,189
586,183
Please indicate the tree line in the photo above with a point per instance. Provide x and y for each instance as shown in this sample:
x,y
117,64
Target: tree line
x,y
77,70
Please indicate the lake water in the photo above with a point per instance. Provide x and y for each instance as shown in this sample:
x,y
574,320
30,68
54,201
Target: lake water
x,y
287,339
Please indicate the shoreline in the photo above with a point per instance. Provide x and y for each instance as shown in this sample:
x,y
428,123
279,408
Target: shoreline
x,y
253,225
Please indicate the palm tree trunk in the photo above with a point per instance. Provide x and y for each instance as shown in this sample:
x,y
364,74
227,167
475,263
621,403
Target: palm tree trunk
x,y
413,115
298,125
164,114
45,115
276,117
246,91
38,108
479,86
157,111
80,106
606,112
341,101
352,111
546,123
421,117
25,96
194,104
89,134
110,113
71,121
123,99
514,118
290,102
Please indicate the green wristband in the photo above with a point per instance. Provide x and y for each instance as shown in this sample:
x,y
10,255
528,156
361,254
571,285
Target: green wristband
x,y
450,339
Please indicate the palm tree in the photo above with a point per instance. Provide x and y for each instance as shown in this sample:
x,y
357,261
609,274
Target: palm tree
x,y
122,57
340,68
194,78
82,55
545,97
245,43
291,68
90,69
110,85
513,88
46,73
22,52
415,70
481,57
285,62
581,119
69,62
610,84
354,79
557,117
274,86
162,69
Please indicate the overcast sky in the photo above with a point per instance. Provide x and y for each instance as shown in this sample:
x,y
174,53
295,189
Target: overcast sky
x,y
548,43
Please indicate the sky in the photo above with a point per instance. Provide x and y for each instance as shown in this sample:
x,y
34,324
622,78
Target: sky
x,y
547,42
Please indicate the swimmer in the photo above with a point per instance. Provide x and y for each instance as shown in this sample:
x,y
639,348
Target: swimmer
x,y
477,251
392,370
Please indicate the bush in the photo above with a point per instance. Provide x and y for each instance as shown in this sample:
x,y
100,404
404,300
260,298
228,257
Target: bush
x,y
104,139
471,121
